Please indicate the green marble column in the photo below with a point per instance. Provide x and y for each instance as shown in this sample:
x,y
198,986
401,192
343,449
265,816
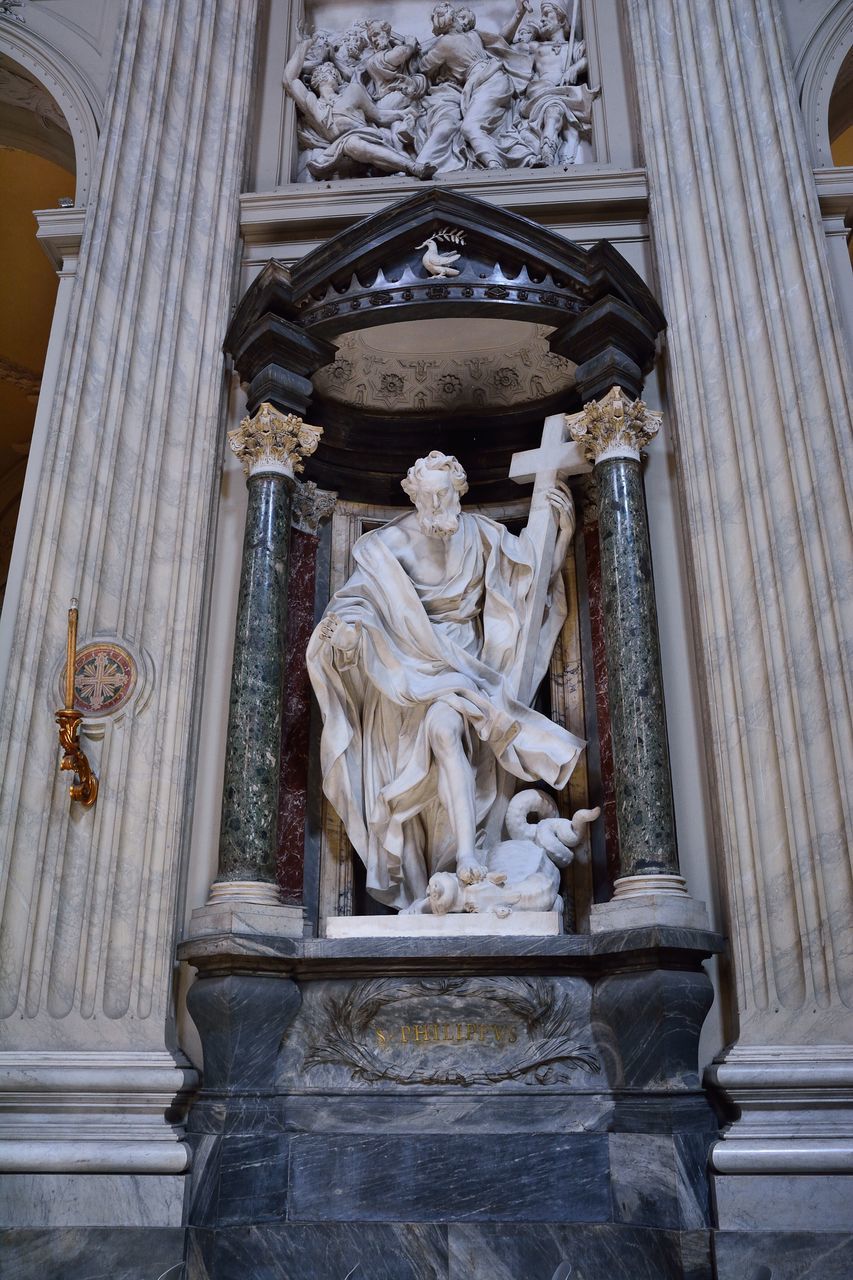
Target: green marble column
x,y
612,431
271,446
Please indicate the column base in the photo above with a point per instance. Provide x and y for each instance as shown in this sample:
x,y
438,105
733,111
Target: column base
x,y
795,1109
782,1172
639,901
246,907
93,1112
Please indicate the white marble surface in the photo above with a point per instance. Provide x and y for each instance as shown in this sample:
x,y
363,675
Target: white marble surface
x,y
525,924
424,666
91,1200
679,910
246,918
764,447
101,1112
124,518
794,1109
761,393
798,1202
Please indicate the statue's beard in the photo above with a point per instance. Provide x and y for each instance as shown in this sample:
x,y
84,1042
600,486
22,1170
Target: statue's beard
x,y
441,524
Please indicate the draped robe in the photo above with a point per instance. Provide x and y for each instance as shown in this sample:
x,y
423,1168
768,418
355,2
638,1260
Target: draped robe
x,y
422,645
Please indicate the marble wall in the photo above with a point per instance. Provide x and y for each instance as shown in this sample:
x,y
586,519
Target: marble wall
x,y
122,518
759,380
730,225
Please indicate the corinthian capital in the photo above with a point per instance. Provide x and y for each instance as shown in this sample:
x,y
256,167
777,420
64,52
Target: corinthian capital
x,y
613,427
273,442
311,506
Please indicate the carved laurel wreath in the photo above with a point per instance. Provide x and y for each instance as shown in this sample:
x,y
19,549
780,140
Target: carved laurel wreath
x,y
344,1037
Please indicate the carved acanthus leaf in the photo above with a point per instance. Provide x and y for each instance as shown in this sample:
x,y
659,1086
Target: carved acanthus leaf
x,y
274,442
613,427
311,506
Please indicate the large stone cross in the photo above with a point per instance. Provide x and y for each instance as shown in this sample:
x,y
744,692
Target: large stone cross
x,y
554,460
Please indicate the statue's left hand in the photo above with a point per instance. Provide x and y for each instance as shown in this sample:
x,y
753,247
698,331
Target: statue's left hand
x,y
561,500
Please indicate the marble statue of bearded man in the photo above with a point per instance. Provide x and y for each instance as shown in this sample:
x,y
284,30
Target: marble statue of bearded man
x,y
412,666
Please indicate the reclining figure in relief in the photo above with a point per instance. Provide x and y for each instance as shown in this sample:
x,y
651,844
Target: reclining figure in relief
x,y
340,123
468,98
412,666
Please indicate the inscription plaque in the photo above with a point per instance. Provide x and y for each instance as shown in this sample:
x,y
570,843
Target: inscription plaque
x,y
443,1032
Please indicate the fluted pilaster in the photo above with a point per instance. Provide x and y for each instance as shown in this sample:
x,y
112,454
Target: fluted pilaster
x,y
761,392
123,520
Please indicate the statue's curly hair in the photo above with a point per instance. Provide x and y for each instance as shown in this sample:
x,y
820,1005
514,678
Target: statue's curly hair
x,y
325,71
561,12
435,461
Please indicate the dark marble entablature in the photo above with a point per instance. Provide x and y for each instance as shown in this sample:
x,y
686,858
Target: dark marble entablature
x,y
578,953
600,312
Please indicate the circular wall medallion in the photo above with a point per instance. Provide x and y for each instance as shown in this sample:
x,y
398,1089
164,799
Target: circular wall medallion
x,y
104,678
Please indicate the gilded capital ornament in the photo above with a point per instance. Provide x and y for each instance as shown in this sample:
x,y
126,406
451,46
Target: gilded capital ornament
x,y
613,427
273,442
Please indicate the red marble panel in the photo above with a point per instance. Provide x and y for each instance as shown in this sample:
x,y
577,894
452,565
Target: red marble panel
x,y
296,717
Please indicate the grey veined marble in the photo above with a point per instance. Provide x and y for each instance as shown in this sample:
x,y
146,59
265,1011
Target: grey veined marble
x,y
643,787
250,795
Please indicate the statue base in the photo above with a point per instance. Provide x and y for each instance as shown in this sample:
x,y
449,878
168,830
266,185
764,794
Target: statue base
x,y
425,1108
519,924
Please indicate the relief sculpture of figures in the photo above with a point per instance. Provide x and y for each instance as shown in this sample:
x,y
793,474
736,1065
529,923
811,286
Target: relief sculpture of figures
x,y
413,666
341,125
371,101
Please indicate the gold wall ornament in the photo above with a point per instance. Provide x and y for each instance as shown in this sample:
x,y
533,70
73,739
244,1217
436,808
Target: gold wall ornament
x,y
613,427
74,758
273,442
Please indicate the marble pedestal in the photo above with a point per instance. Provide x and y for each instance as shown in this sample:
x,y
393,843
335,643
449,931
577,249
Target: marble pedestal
x,y
782,1174
450,1107
519,924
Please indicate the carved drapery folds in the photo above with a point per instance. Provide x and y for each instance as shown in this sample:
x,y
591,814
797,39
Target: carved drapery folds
x,y
372,101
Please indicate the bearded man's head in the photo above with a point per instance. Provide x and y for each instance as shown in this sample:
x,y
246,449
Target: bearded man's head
x,y
435,484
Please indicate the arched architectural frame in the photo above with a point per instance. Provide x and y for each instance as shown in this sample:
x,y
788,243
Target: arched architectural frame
x,y
816,70
64,82
78,103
